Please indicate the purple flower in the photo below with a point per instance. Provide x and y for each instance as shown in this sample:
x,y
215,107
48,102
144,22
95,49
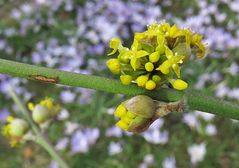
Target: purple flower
x,y
3,115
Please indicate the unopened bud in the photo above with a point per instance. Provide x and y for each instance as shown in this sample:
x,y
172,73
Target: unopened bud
x,y
40,114
18,127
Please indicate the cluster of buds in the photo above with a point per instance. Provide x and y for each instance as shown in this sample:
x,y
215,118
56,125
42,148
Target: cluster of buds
x,y
18,130
139,112
155,56
44,111
15,130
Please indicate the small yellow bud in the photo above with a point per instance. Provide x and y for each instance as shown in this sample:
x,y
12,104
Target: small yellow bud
x,y
156,78
150,85
154,57
141,80
113,65
120,111
126,79
179,84
149,66
123,125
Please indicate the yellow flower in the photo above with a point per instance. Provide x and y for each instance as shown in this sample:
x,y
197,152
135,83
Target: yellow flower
x,y
172,61
115,43
136,55
155,55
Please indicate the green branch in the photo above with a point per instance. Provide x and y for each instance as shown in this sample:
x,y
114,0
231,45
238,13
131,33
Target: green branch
x,y
193,99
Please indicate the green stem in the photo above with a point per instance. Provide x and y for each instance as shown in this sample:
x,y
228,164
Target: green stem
x,y
40,138
193,99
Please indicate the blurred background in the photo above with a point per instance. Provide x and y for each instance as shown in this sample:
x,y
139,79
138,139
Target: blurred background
x,y
73,35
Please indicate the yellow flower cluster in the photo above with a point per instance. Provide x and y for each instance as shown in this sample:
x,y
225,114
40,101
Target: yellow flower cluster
x,y
136,114
44,110
155,56
15,129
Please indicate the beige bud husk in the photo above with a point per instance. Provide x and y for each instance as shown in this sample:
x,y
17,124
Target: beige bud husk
x,y
141,105
40,114
148,110
18,127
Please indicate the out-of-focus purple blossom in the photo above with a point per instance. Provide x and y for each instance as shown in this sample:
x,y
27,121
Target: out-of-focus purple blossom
x,y
63,115
85,95
67,96
70,127
169,162
114,148
82,139
222,90
16,14
154,135
197,152
53,164
148,161
3,115
191,120
233,69
27,8
211,130
79,143
2,44
62,144
234,94
9,32
114,132
96,49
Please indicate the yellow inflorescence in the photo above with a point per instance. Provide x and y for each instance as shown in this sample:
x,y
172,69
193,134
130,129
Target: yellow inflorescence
x,y
125,116
156,56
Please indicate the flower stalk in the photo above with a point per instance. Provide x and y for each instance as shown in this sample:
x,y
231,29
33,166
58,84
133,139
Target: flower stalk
x,y
41,139
194,100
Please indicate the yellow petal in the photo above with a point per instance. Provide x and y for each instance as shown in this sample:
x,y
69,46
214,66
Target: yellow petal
x,y
114,44
168,52
176,69
154,57
164,67
120,111
123,125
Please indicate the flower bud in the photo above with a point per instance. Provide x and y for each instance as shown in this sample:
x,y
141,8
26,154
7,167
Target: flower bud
x,y
136,114
18,127
40,114
178,84
126,79
114,65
